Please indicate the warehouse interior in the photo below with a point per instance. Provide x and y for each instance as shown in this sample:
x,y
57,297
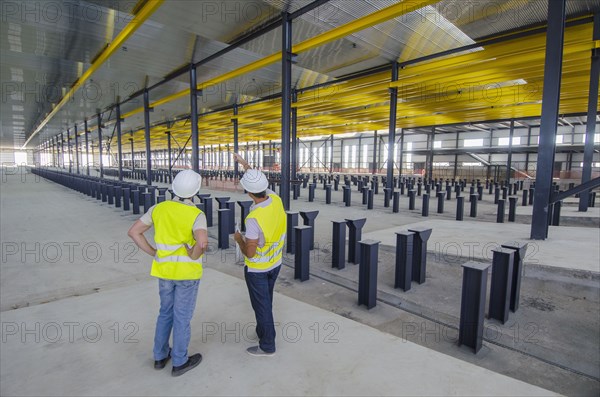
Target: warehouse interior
x,y
476,120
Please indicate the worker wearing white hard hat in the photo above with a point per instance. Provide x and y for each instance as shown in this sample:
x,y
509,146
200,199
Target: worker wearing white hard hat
x,y
181,239
262,247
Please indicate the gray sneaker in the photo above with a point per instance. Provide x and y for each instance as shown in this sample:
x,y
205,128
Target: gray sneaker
x,y
257,351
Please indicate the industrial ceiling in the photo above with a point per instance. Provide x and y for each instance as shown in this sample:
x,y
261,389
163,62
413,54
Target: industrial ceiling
x,y
63,62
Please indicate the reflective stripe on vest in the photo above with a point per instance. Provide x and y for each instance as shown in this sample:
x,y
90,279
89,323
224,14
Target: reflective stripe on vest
x,y
173,223
272,221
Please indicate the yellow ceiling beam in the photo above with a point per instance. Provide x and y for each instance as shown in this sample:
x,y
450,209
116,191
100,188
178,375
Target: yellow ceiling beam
x,y
140,17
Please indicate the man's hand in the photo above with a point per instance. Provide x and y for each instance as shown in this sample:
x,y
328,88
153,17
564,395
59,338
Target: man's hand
x,y
238,237
190,250
241,160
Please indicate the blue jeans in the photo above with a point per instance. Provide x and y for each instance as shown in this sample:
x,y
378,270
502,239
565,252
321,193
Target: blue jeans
x,y
260,288
177,304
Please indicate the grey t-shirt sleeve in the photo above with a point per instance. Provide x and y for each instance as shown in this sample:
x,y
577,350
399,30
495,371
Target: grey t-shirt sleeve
x,y
200,222
147,217
252,229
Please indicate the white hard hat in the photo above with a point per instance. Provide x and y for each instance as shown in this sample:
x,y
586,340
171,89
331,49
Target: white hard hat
x,y
186,183
254,181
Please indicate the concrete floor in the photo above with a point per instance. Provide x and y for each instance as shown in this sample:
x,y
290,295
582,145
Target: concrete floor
x,y
118,291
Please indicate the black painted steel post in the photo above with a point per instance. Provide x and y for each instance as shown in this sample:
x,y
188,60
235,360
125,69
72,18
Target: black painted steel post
x,y
588,151
460,208
309,220
354,236
126,193
286,106
327,194
223,236
411,199
473,213
370,199
472,304
311,193
302,253
520,250
531,195
500,212
136,202
338,250
556,213
392,131
367,273
404,260
425,206
147,111
244,211
512,208
292,222
386,197
502,269
440,206
208,210
396,202
422,235
194,118
99,117
231,207
549,117
348,197
524,202
119,142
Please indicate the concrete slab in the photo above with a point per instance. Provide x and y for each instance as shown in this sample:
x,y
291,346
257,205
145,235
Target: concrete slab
x,y
319,353
566,247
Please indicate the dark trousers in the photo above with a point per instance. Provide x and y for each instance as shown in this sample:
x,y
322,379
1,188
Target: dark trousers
x,y
260,289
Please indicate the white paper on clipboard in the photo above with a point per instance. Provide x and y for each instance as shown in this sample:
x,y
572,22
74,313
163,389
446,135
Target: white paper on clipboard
x,y
239,257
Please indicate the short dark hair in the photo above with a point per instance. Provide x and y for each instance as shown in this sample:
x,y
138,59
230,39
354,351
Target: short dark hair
x,y
262,194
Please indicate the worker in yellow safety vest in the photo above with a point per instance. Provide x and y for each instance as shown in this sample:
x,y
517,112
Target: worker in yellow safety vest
x,y
181,239
262,247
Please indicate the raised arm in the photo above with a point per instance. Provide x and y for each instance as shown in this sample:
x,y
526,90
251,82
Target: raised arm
x,y
241,160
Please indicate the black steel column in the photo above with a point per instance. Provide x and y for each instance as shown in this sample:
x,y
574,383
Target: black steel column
x,y
236,143
119,143
194,118
87,147
69,151
502,269
169,156
76,149
62,149
419,265
338,250
100,145
590,128
375,152
294,139
392,134
430,162
302,253
455,172
331,159
509,160
286,87
404,260
472,304
367,273
147,110
520,250
549,119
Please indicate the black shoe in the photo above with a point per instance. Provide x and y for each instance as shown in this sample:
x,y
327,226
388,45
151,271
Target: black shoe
x,y
192,362
160,364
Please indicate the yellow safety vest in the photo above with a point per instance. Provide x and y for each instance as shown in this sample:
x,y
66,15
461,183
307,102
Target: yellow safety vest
x,y
272,222
173,222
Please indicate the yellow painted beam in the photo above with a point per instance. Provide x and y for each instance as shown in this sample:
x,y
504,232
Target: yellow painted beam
x,y
138,20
